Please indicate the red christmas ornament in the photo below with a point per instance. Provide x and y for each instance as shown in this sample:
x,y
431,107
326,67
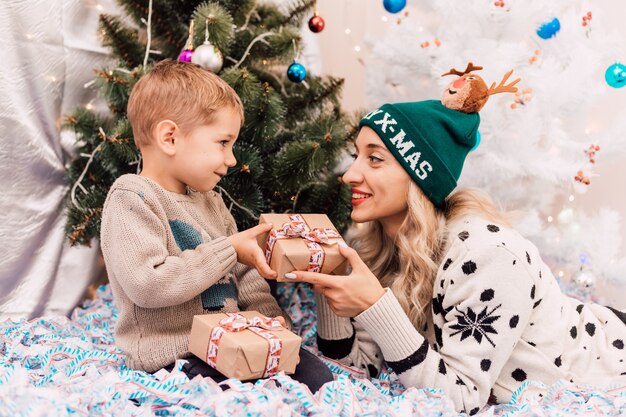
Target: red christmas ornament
x,y
316,23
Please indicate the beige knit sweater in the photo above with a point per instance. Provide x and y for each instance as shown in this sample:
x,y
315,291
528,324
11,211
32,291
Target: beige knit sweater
x,y
168,258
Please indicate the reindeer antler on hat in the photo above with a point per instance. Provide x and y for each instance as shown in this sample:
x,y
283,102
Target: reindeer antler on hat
x,y
469,92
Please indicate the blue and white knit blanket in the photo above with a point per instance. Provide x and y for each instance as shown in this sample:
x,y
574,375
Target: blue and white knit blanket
x,y
55,366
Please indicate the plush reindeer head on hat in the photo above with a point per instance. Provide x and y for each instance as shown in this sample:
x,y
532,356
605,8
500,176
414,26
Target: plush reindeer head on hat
x,y
469,92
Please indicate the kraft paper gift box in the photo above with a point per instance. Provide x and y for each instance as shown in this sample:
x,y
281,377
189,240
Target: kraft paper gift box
x,y
292,246
242,352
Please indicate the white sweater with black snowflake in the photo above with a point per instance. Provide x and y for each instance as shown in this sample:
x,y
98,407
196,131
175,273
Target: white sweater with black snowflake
x,y
498,319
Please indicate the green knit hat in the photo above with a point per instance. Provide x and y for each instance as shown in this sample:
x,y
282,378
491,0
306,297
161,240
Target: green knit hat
x,y
429,140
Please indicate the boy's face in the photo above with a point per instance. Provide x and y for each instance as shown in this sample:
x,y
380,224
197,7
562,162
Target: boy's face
x,y
204,154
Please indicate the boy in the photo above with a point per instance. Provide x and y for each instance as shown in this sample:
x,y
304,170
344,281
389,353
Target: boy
x,y
170,245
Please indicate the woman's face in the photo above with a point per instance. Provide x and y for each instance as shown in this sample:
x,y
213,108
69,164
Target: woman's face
x,y
379,183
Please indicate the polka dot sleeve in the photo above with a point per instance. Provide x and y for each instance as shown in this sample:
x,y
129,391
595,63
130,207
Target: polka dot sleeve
x,y
481,304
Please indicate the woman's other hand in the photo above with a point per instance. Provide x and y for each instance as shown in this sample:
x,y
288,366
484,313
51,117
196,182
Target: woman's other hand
x,y
347,295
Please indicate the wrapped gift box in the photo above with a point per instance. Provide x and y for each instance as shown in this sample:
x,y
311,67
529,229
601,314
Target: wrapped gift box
x,y
302,242
244,345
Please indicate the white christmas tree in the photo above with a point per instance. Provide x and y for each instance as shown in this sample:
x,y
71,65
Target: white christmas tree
x,y
533,143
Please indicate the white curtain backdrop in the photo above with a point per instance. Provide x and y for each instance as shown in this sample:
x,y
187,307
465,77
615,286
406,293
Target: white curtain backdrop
x,y
49,48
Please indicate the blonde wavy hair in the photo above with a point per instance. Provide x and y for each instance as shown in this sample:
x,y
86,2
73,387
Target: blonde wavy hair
x,y
409,264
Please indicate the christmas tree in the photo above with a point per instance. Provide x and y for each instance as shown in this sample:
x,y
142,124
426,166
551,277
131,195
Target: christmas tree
x,y
540,148
294,132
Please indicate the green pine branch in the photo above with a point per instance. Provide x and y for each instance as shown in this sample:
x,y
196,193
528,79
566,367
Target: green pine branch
x,y
293,135
123,40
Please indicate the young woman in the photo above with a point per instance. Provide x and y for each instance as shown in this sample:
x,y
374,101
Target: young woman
x,y
442,289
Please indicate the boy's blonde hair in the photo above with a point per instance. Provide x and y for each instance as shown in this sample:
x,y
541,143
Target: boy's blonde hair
x,y
179,91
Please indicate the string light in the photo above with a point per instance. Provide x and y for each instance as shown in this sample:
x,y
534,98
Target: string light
x,y
571,198
550,219
348,31
99,7
561,273
384,18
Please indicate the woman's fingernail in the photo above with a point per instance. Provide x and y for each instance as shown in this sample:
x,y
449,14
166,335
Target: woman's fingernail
x,y
342,244
290,275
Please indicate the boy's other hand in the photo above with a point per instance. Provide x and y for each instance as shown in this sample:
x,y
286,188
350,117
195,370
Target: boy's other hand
x,y
248,250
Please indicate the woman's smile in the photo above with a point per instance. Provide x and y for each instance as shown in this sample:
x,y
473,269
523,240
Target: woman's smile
x,y
359,196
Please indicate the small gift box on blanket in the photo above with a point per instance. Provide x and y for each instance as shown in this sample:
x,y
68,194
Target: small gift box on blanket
x,y
244,345
302,242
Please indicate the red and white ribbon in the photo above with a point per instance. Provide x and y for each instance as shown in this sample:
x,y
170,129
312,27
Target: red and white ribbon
x,y
261,326
298,228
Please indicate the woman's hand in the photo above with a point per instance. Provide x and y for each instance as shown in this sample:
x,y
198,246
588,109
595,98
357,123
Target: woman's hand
x,y
347,295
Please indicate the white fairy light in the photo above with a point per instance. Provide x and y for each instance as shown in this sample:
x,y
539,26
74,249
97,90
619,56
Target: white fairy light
x,y
550,219
99,7
384,18
571,198
348,31
357,48
561,273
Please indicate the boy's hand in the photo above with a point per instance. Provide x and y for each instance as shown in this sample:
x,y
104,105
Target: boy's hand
x,y
248,250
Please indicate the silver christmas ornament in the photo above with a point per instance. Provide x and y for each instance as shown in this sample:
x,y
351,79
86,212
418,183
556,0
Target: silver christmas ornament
x,y
584,279
208,57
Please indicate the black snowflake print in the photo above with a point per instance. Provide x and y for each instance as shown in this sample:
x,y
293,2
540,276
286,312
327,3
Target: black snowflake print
x,y
579,308
618,343
492,398
471,324
537,303
493,228
557,361
487,295
463,235
514,321
519,375
442,367
590,328
447,264
438,306
438,335
528,258
469,267
474,411
573,332
485,364
532,293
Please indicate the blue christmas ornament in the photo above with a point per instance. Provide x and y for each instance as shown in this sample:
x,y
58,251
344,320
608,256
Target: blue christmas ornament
x,y
394,6
477,141
615,75
296,72
549,29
